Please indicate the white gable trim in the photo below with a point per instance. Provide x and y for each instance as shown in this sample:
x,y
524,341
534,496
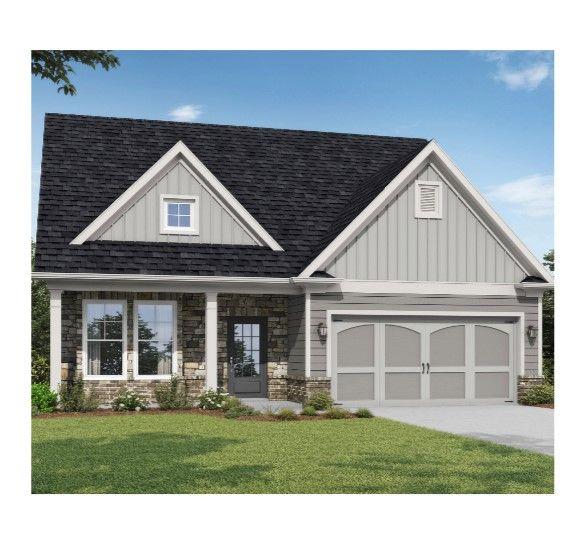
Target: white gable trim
x,y
179,152
431,153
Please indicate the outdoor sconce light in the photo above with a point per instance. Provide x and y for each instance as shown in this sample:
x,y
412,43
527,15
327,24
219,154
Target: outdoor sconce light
x,y
322,331
532,333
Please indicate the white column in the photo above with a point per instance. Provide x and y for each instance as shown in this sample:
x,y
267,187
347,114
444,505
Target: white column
x,y
307,333
211,352
55,338
540,337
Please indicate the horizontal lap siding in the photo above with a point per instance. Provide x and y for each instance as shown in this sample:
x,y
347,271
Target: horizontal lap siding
x,y
296,335
362,302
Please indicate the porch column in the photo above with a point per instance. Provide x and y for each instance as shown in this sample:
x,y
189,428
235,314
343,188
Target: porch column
x,y
211,355
307,344
55,338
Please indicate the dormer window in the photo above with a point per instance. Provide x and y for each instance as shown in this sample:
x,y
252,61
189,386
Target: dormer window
x,y
427,199
179,214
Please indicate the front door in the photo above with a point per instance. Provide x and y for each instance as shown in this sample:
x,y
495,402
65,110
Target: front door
x,y
247,351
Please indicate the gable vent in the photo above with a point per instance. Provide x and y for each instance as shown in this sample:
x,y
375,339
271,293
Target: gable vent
x,y
427,199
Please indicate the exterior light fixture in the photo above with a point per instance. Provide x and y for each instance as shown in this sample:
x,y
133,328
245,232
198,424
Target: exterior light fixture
x,y
532,333
322,331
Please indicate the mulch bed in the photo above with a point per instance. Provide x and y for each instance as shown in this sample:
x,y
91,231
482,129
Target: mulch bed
x,y
545,405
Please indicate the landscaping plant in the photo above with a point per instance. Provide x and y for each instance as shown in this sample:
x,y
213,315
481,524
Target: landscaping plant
x,y
73,397
43,399
212,399
363,412
238,411
231,402
337,412
321,401
308,410
538,395
128,400
286,414
173,395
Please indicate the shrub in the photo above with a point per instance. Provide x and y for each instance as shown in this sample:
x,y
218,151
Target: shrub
x,y
73,397
286,414
173,395
540,394
212,399
231,402
321,401
128,400
43,399
337,412
362,412
39,369
309,410
238,411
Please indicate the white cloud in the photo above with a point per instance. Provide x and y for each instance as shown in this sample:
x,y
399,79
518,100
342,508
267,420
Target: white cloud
x,y
521,71
531,196
186,113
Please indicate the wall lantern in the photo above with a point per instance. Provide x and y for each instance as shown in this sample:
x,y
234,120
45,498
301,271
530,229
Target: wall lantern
x,y
322,331
532,333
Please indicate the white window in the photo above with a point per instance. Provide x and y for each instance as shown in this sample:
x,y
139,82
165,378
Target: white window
x,y
179,214
155,339
104,339
428,199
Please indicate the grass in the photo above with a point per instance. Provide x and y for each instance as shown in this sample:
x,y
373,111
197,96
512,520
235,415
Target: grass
x,y
190,453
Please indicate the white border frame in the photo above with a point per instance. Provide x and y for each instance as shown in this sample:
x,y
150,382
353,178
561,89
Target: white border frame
x,y
438,186
519,332
157,377
100,377
192,201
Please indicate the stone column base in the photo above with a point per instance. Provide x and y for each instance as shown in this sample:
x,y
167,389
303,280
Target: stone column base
x,y
526,382
300,388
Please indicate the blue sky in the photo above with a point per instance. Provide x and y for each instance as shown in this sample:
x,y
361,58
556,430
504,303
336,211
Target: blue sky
x,y
491,111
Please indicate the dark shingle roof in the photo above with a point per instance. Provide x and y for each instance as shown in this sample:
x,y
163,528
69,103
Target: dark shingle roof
x,y
303,187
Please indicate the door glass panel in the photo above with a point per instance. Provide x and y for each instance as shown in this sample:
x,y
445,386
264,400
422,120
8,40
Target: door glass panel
x,y
355,387
492,384
246,354
403,386
355,346
447,385
448,346
403,346
491,347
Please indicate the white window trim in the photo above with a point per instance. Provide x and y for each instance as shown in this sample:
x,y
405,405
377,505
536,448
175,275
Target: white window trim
x,y
91,377
157,377
194,228
438,213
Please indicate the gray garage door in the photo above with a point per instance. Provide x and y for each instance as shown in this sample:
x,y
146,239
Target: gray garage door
x,y
383,361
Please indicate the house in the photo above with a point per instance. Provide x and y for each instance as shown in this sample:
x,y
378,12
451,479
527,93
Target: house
x,y
274,263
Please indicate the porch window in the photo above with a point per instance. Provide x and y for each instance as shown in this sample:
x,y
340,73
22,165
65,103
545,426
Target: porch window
x,y
155,339
104,339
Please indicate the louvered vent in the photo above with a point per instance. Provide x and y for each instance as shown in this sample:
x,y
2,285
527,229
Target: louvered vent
x,y
428,200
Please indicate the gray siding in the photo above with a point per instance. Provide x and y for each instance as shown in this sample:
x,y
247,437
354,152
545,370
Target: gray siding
x,y
398,246
141,222
352,301
296,335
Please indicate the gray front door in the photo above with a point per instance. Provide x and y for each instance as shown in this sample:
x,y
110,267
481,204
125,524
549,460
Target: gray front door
x,y
247,351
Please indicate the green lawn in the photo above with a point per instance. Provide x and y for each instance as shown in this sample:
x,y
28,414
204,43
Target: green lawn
x,y
191,453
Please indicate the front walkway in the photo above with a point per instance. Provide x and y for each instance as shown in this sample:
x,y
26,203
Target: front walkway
x,y
520,426
263,404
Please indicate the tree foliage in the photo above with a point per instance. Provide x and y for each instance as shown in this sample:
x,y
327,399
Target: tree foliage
x,y
39,327
55,65
548,322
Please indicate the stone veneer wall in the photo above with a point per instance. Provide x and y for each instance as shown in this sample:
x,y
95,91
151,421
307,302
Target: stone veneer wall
x,y
301,387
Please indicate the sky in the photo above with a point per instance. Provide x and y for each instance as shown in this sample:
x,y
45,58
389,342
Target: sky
x,y
492,112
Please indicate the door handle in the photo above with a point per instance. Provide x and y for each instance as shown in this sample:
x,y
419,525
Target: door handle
x,y
428,367
423,365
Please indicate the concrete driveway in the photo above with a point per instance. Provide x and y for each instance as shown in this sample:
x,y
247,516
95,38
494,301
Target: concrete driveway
x,y
530,428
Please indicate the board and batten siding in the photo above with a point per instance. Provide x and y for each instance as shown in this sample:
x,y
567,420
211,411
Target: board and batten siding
x,y
296,358
141,222
398,246
320,303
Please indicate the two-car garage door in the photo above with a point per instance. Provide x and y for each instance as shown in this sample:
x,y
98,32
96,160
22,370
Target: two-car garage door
x,y
394,360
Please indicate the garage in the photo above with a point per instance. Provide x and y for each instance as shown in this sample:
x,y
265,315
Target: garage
x,y
395,360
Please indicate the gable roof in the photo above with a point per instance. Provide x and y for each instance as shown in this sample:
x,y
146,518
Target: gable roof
x,y
300,186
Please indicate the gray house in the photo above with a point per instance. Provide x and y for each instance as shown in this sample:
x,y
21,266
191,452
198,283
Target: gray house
x,y
274,263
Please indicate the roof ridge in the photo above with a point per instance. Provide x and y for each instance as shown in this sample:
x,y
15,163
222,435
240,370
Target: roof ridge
x,y
236,126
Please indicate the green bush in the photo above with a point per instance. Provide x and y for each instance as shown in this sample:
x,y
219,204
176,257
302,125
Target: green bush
x,y
212,399
240,410
73,397
173,395
362,412
128,400
538,395
43,399
286,414
337,412
309,410
231,402
321,401
39,369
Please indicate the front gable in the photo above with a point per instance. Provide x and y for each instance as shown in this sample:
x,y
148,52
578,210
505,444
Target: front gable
x,y
140,213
